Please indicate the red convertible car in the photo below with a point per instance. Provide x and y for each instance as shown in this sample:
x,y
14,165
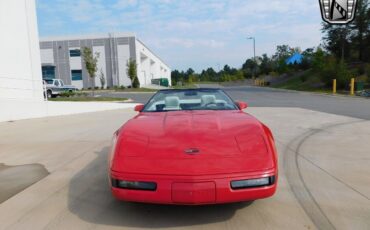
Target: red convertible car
x,y
192,147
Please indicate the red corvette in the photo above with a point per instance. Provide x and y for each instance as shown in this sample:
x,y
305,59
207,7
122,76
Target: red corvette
x,y
192,147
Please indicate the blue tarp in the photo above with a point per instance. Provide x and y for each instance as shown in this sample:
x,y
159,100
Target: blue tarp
x,y
294,59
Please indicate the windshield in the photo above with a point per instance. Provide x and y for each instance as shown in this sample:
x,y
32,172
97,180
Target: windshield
x,y
48,81
190,99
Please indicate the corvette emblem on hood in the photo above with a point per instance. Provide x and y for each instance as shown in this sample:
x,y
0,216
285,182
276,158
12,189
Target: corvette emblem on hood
x,y
191,151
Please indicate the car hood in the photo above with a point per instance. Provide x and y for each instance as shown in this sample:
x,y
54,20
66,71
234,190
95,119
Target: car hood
x,y
192,143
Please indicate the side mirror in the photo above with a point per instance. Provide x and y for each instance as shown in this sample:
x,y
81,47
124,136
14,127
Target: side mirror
x,y
242,105
139,107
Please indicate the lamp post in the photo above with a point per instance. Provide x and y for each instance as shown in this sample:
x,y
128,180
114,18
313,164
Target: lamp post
x,y
254,53
254,47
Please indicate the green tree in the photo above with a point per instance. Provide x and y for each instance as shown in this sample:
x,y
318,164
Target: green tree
x,y
307,58
249,68
266,64
91,63
176,77
239,75
132,73
188,75
211,74
337,40
102,78
228,70
283,52
318,60
360,30
352,41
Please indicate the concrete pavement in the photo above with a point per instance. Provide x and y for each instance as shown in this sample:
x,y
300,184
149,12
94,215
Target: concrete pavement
x,y
323,179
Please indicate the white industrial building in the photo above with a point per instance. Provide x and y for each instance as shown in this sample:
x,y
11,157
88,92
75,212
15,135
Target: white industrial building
x,y
21,88
20,55
61,58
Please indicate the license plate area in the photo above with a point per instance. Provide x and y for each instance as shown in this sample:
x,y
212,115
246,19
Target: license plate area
x,y
194,193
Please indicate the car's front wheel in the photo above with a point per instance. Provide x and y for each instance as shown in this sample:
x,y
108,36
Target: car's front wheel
x,y
49,94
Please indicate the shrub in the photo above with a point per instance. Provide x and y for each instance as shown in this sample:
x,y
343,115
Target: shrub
x,y
274,74
344,75
367,72
303,77
136,83
327,71
81,94
67,94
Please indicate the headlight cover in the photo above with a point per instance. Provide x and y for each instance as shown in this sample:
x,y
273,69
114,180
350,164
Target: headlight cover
x,y
252,183
134,185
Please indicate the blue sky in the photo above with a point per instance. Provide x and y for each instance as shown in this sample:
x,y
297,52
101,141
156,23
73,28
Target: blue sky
x,y
190,33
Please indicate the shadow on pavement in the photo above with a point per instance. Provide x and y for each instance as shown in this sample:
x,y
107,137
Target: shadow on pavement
x,y
14,179
90,199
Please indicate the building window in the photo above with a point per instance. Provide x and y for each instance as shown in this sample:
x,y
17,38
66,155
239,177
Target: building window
x,y
48,72
76,75
75,53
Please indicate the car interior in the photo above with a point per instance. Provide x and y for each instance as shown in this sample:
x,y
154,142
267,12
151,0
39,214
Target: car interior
x,y
206,102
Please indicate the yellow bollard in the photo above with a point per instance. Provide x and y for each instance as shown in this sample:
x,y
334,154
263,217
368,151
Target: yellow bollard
x,y
334,86
352,86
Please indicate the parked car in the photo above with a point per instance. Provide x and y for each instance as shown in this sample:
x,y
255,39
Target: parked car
x,y
55,87
192,147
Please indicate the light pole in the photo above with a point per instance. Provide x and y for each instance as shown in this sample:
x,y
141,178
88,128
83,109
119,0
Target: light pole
x,y
218,73
254,53
254,47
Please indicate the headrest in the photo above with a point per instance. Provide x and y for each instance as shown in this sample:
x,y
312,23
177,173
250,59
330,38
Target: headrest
x,y
208,99
172,101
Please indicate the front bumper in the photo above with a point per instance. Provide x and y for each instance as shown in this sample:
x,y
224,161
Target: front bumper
x,y
193,190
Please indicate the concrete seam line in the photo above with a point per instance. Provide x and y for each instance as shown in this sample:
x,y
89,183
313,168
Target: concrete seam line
x,y
301,191
316,131
335,178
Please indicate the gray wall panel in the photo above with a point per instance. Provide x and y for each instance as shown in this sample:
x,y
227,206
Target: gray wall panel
x,y
62,63
108,57
46,45
132,48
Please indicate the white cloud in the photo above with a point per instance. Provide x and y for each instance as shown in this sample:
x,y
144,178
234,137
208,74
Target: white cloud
x,y
187,32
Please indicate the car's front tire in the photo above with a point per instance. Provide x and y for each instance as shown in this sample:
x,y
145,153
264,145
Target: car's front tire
x,y
49,94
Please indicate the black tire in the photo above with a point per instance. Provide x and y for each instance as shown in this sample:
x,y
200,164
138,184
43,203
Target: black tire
x,y
49,94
